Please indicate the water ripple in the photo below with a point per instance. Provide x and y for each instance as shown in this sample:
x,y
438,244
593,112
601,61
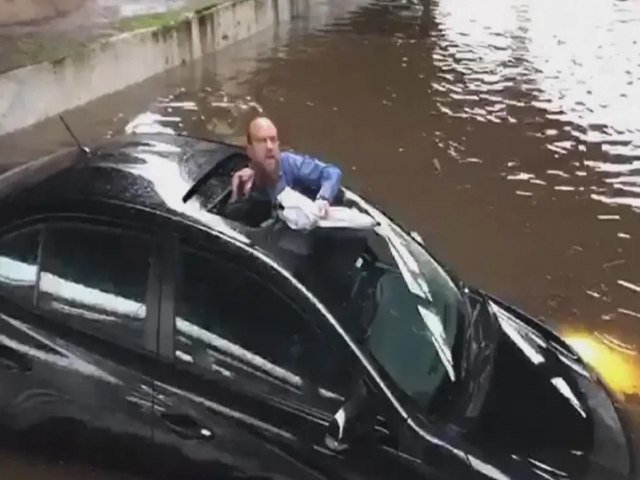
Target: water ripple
x,y
522,63
214,113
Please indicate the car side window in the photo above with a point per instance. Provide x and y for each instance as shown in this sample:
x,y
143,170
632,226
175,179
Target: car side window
x,y
229,320
19,263
96,278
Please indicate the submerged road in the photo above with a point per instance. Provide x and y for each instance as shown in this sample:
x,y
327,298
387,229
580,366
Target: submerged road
x,y
506,132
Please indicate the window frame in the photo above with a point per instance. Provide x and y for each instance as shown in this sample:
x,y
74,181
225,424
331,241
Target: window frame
x,y
44,222
195,238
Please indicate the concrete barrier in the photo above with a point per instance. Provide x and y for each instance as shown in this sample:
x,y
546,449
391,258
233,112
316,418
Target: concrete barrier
x,y
13,12
34,93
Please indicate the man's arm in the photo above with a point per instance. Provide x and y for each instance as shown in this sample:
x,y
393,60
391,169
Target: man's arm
x,y
316,174
241,183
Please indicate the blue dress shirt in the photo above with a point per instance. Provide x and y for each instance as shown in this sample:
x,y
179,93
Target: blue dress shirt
x,y
305,173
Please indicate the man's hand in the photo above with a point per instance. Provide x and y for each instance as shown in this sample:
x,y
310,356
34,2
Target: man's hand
x,y
323,207
241,183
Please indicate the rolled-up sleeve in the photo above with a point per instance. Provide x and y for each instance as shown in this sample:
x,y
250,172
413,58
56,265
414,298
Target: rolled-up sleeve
x,y
316,174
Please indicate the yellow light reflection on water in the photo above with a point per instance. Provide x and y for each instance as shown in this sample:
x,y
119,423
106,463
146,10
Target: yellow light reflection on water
x,y
618,364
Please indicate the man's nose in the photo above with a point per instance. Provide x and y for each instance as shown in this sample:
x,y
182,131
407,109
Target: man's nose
x,y
270,144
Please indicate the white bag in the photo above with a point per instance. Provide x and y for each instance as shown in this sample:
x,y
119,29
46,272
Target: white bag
x,y
301,213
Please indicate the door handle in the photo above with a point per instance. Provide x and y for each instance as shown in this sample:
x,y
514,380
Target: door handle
x,y
185,426
13,360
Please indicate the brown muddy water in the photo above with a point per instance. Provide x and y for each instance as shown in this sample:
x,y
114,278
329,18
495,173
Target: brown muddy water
x,y
506,132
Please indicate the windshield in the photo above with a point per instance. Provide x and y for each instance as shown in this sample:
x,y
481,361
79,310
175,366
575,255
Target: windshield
x,y
419,312
389,294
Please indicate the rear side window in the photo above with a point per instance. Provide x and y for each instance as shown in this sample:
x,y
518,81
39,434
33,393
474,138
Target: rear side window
x,y
19,263
229,320
233,308
96,278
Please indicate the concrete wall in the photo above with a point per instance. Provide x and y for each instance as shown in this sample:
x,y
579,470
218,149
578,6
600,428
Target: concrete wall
x,y
26,11
31,94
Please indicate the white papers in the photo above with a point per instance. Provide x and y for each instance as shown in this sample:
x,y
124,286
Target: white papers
x,y
301,213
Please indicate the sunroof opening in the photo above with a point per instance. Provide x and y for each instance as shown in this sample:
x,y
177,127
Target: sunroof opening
x,y
223,170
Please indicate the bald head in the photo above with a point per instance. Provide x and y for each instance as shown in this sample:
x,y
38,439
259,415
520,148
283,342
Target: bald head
x,y
263,146
259,127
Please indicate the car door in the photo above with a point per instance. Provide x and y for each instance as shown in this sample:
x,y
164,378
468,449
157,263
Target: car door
x,y
78,336
253,377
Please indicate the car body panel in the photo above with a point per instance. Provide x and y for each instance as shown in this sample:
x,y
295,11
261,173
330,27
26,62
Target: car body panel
x,y
71,395
548,406
526,390
70,398
263,424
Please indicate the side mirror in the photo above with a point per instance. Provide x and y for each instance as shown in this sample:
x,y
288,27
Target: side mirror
x,y
355,421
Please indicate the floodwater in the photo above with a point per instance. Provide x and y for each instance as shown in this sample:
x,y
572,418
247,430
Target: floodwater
x,y
506,132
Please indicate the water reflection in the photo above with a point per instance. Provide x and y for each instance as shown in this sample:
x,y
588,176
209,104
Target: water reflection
x,y
16,274
499,59
224,116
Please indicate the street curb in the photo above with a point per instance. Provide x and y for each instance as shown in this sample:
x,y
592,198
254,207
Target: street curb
x,y
34,93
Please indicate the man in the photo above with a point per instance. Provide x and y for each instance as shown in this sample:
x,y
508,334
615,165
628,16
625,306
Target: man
x,y
270,170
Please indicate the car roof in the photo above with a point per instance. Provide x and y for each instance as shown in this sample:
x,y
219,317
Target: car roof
x,y
157,172
172,175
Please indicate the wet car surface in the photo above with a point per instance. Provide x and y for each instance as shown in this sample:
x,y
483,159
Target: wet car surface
x,y
143,333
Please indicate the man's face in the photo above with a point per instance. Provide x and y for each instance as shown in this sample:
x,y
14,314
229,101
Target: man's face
x,y
264,148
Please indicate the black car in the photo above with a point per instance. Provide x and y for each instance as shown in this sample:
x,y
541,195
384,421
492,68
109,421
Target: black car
x,y
149,328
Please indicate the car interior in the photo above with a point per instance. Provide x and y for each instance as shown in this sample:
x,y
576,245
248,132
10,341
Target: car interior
x,y
214,190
